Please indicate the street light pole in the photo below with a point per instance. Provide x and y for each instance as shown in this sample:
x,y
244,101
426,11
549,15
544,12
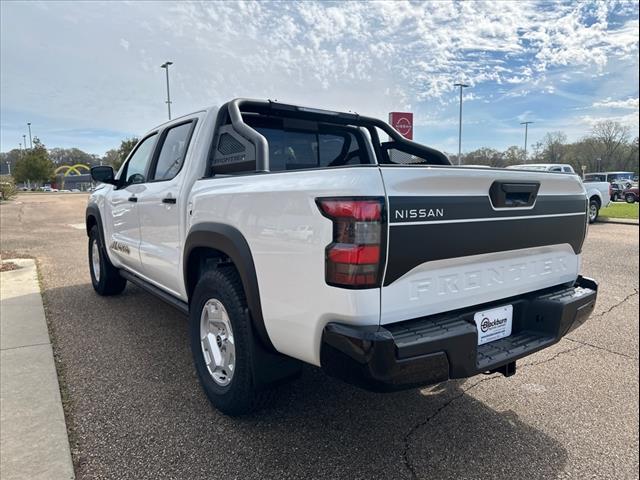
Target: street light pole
x,y
30,140
461,85
9,167
165,65
526,132
24,137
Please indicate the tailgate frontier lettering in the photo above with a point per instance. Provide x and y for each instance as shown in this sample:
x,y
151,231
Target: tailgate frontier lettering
x,y
495,276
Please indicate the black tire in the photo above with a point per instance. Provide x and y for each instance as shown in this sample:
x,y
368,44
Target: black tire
x,y
594,210
614,198
241,395
630,198
108,281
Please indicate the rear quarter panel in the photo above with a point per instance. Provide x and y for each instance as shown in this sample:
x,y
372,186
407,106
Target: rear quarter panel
x,y
287,235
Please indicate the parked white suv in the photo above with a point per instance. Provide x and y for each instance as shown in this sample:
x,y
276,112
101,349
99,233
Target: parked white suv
x,y
598,192
291,234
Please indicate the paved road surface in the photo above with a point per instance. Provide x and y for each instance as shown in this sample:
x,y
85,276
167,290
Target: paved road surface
x,y
135,410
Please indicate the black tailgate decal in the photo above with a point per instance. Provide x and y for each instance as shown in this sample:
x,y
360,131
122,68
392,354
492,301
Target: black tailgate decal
x,y
423,209
413,240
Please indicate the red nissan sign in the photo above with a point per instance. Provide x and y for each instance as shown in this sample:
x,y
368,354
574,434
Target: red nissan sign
x,y
403,123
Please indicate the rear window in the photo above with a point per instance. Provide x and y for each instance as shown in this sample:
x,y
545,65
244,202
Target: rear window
x,y
317,147
620,176
595,178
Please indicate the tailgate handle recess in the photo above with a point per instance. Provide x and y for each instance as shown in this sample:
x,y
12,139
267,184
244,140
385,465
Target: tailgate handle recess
x,y
513,194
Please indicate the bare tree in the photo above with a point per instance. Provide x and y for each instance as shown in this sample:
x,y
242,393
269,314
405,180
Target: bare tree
x,y
513,155
606,141
554,147
537,150
483,156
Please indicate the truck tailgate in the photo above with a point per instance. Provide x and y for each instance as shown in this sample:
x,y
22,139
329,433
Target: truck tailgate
x,y
459,237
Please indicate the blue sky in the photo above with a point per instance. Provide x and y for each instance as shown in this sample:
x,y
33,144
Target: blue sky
x,y
87,74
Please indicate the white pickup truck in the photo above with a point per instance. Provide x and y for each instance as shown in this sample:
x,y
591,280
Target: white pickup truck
x,y
291,234
598,193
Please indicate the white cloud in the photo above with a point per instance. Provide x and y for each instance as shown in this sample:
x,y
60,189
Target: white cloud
x,y
629,103
370,57
630,119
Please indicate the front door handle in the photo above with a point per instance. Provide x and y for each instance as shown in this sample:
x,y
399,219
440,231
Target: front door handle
x,y
169,200
133,199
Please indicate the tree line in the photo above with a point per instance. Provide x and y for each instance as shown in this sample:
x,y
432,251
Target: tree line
x,y
37,165
608,147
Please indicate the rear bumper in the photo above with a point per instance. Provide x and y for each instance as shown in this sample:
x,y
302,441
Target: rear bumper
x,y
433,349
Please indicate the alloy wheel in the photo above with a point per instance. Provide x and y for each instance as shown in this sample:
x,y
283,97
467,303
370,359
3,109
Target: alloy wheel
x,y
217,342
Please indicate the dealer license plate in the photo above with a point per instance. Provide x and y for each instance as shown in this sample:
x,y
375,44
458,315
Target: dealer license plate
x,y
494,324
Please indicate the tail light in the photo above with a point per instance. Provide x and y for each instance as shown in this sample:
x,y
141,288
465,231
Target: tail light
x,y
354,258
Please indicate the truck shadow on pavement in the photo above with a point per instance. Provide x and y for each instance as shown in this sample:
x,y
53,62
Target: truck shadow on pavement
x,y
435,432
135,404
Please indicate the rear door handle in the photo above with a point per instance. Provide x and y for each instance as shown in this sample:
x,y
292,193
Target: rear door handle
x,y
133,199
169,200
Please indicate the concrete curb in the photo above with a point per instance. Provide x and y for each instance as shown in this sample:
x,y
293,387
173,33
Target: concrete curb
x,y
619,221
33,434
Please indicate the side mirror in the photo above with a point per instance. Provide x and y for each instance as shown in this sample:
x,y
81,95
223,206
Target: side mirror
x,y
104,174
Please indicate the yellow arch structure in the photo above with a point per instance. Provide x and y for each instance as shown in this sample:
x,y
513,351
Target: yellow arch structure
x,y
75,169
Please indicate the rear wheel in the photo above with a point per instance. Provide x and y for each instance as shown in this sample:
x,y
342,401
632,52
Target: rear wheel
x,y
630,198
594,210
223,344
614,198
105,278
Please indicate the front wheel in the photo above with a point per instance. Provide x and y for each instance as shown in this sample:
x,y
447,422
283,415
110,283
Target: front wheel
x,y
222,343
614,198
105,278
630,198
594,210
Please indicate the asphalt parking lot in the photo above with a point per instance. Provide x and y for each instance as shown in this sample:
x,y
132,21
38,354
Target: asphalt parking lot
x,y
134,408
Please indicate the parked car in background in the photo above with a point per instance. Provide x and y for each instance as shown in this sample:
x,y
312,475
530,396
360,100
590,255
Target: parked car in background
x,y
617,191
631,195
625,178
544,167
598,192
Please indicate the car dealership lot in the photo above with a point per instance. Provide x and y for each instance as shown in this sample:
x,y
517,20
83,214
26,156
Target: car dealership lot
x,y
135,410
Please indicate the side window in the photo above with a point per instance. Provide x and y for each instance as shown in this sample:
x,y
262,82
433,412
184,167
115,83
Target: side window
x,y
556,169
173,152
136,168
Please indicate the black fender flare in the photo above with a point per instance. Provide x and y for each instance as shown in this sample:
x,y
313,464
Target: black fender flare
x,y
230,241
94,211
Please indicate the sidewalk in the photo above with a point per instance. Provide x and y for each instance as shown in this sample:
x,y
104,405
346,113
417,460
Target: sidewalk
x,y
33,435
